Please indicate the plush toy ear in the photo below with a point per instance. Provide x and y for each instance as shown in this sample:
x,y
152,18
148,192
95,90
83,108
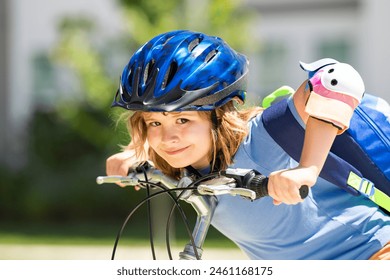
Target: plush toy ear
x,y
313,67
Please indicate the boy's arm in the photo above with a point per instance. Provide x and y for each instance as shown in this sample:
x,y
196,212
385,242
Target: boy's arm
x,y
319,134
326,103
326,113
284,185
319,137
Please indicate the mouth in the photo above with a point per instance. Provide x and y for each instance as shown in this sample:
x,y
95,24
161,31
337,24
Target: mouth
x,y
175,151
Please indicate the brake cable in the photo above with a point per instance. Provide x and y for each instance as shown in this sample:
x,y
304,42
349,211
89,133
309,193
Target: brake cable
x,y
149,217
164,191
203,178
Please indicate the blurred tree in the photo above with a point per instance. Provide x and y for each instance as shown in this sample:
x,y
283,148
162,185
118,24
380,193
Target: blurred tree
x,y
229,19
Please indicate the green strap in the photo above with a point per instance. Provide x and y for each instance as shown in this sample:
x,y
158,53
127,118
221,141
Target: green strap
x,y
278,94
368,189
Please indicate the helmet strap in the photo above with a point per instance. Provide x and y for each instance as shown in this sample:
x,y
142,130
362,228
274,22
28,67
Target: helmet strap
x,y
191,171
214,120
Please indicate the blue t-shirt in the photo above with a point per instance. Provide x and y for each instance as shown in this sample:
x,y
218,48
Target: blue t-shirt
x,y
329,224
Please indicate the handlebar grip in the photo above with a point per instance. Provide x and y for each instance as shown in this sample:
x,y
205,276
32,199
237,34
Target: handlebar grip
x,y
259,184
304,191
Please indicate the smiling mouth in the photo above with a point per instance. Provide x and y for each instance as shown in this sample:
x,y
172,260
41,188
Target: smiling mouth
x,y
175,152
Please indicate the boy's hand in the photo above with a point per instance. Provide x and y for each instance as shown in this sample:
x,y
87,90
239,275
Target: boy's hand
x,y
284,185
120,164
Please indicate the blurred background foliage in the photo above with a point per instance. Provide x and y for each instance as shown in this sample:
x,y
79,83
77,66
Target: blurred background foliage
x,y
70,140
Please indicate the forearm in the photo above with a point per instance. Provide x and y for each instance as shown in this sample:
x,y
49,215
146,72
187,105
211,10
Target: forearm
x,y
319,138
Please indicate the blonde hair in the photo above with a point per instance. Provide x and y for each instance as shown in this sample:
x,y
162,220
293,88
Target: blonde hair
x,y
232,128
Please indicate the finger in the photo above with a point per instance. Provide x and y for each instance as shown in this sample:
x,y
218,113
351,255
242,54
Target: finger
x,y
297,194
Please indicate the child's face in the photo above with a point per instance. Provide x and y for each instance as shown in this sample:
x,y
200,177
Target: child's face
x,y
180,138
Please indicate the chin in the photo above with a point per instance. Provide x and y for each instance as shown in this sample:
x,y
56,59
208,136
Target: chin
x,y
177,164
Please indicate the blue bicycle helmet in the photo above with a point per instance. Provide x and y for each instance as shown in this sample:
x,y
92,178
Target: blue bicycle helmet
x,y
180,71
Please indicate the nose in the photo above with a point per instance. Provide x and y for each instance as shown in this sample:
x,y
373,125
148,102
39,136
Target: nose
x,y
169,135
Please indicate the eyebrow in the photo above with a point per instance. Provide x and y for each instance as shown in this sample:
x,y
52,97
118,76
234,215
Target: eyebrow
x,y
147,115
148,118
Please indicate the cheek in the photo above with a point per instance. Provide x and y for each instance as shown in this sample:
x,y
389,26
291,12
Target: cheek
x,y
200,132
152,137
207,138
202,137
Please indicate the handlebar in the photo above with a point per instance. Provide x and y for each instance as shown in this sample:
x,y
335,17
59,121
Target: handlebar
x,y
247,183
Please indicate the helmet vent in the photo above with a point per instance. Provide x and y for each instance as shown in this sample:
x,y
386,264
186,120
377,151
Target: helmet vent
x,y
148,71
130,82
170,74
211,55
193,44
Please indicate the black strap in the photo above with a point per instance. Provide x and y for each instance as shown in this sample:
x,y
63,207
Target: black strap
x,y
193,172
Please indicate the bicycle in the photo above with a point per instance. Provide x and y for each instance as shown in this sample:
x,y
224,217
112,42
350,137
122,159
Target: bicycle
x,y
199,193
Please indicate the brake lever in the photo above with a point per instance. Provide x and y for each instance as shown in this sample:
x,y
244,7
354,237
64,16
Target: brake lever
x,y
127,181
223,189
131,179
224,185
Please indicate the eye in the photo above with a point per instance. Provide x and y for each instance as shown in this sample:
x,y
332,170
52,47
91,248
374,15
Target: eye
x,y
153,124
182,121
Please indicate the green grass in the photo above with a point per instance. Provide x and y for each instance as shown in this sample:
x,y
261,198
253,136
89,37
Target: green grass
x,y
93,234
54,233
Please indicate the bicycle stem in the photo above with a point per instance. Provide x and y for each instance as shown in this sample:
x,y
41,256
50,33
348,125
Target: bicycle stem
x,y
204,207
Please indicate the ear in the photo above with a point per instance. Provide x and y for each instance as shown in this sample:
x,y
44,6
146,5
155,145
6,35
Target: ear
x,y
313,67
